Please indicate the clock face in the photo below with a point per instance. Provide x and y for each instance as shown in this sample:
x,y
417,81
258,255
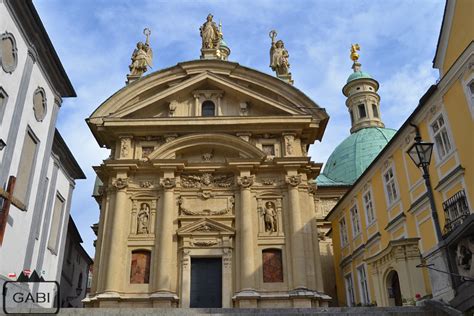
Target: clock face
x,y
39,104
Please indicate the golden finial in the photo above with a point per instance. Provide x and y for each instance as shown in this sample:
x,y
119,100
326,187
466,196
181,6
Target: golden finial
x,y
354,54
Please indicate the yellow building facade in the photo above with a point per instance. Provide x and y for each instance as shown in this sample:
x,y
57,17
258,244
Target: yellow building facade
x,y
383,227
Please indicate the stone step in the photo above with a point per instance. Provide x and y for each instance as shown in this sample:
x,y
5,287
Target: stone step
x,y
339,311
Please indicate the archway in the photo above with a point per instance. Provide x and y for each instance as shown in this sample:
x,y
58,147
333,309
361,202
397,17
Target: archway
x,y
393,289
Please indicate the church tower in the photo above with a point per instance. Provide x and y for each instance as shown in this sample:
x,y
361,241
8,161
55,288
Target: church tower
x,y
362,101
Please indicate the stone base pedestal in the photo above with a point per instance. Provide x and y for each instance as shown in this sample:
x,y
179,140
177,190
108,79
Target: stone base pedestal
x,y
131,78
299,298
164,300
210,54
441,283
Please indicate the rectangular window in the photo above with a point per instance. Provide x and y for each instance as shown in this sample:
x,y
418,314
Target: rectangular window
x,y
25,168
55,231
355,220
369,207
390,186
349,290
272,265
440,134
362,112
343,228
374,110
364,289
269,149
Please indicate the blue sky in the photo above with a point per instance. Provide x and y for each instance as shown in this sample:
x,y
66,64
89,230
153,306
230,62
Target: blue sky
x,y
95,39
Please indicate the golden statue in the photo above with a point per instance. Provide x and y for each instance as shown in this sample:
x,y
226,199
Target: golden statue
x,y
354,54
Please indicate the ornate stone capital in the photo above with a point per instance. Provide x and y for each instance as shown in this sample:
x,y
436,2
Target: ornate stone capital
x,y
312,188
245,181
294,180
168,183
120,183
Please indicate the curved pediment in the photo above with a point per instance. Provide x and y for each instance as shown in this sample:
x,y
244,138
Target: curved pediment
x,y
158,94
229,143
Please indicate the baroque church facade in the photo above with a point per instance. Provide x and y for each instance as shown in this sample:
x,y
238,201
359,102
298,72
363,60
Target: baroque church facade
x,y
206,199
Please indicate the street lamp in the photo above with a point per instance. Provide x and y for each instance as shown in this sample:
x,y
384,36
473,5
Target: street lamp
x,y
420,152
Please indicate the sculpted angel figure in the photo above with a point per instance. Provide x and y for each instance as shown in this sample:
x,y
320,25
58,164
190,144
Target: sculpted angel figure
x,y
142,56
279,56
210,33
143,219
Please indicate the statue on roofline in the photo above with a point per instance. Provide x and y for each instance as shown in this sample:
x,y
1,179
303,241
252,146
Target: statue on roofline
x,y
142,56
211,34
279,59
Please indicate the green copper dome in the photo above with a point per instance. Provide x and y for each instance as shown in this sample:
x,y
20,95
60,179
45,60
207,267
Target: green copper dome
x,y
222,43
357,75
350,159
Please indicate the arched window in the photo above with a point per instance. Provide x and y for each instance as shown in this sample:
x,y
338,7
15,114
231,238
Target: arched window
x,y
140,266
272,265
208,108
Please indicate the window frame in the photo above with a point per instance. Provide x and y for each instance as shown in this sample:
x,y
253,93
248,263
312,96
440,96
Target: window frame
x,y
50,246
350,292
433,135
389,201
359,107
208,103
358,231
3,105
363,268
469,94
364,203
280,251
343,234
29,133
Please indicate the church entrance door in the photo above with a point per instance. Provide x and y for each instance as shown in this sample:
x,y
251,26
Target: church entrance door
x,y
206,282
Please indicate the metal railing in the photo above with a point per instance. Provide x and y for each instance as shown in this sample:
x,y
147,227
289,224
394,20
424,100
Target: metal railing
x,y
455,210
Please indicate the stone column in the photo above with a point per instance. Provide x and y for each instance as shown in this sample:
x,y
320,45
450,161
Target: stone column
x,y
315,239
163,254
247,260
296,231
116,261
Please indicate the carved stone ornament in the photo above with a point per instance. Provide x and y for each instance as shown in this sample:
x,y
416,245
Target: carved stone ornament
x,y
289,139
294,180
206,180
205,212
8,52
312,188
168,183
170,137
39,104
146,184
269,181
204,243
172,107
204,228
270,217
207,156
245,181
125,147
120,183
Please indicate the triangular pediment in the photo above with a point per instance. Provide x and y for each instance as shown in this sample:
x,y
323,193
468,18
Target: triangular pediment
x,y
206,226
157,105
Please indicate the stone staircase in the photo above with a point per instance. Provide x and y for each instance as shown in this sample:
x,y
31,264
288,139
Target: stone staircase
x,y
361,311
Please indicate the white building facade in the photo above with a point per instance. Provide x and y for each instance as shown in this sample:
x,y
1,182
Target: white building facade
x,y
32,85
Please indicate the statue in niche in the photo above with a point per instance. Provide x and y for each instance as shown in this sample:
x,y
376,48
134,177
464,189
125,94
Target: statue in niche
x,y
142,56
210,33
143,219
279,56
270,217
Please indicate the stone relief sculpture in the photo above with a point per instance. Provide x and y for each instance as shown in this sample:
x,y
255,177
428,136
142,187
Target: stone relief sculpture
x,y
289,139
206,180
210,33
142,56
279,58
270,217
464,256
143,219
125,146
